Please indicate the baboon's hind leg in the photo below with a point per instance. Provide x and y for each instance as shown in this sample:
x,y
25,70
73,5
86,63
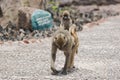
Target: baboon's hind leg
x,y
74,51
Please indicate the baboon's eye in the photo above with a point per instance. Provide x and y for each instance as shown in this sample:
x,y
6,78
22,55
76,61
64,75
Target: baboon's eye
x,y
64,37
55,38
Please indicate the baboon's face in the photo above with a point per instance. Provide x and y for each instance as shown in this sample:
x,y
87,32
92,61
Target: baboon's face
x,y
66,16
60,40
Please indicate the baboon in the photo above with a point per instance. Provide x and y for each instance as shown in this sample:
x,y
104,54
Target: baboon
x,y
63,41
66,20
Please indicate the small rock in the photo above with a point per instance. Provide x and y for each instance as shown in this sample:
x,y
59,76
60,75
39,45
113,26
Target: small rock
x,y
36,34
33,40
26,41
1,28
21,34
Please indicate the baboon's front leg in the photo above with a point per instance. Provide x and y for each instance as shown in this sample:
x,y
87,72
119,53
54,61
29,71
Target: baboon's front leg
x,y
66,63
53,58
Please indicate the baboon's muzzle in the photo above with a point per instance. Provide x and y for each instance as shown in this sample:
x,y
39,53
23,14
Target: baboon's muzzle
x,y
65,17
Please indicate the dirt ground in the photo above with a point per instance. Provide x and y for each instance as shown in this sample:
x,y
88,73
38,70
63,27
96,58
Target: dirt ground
x,y
98,57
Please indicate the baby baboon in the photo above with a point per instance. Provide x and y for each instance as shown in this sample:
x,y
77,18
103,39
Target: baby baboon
x,y
62,40
66,20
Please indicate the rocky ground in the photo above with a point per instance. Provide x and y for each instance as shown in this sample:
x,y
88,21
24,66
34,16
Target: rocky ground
x,y
80,16
98,57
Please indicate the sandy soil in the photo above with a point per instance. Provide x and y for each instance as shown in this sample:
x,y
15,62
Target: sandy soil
x,y
98,57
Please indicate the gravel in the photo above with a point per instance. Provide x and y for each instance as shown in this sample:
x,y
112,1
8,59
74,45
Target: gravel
x,y
98,57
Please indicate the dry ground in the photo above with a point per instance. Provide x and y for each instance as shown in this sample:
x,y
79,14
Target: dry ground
x,y
98,57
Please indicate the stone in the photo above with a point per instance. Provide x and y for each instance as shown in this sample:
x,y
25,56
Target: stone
x,y
24,18
21,34
41,20
36,34
26,41
1,28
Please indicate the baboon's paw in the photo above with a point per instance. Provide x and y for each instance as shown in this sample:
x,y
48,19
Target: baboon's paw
x,y
56,72
71,69
64,72
53,73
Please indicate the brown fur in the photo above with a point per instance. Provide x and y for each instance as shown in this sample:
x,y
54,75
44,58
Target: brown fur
x,y
66,20
62,40
72,30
